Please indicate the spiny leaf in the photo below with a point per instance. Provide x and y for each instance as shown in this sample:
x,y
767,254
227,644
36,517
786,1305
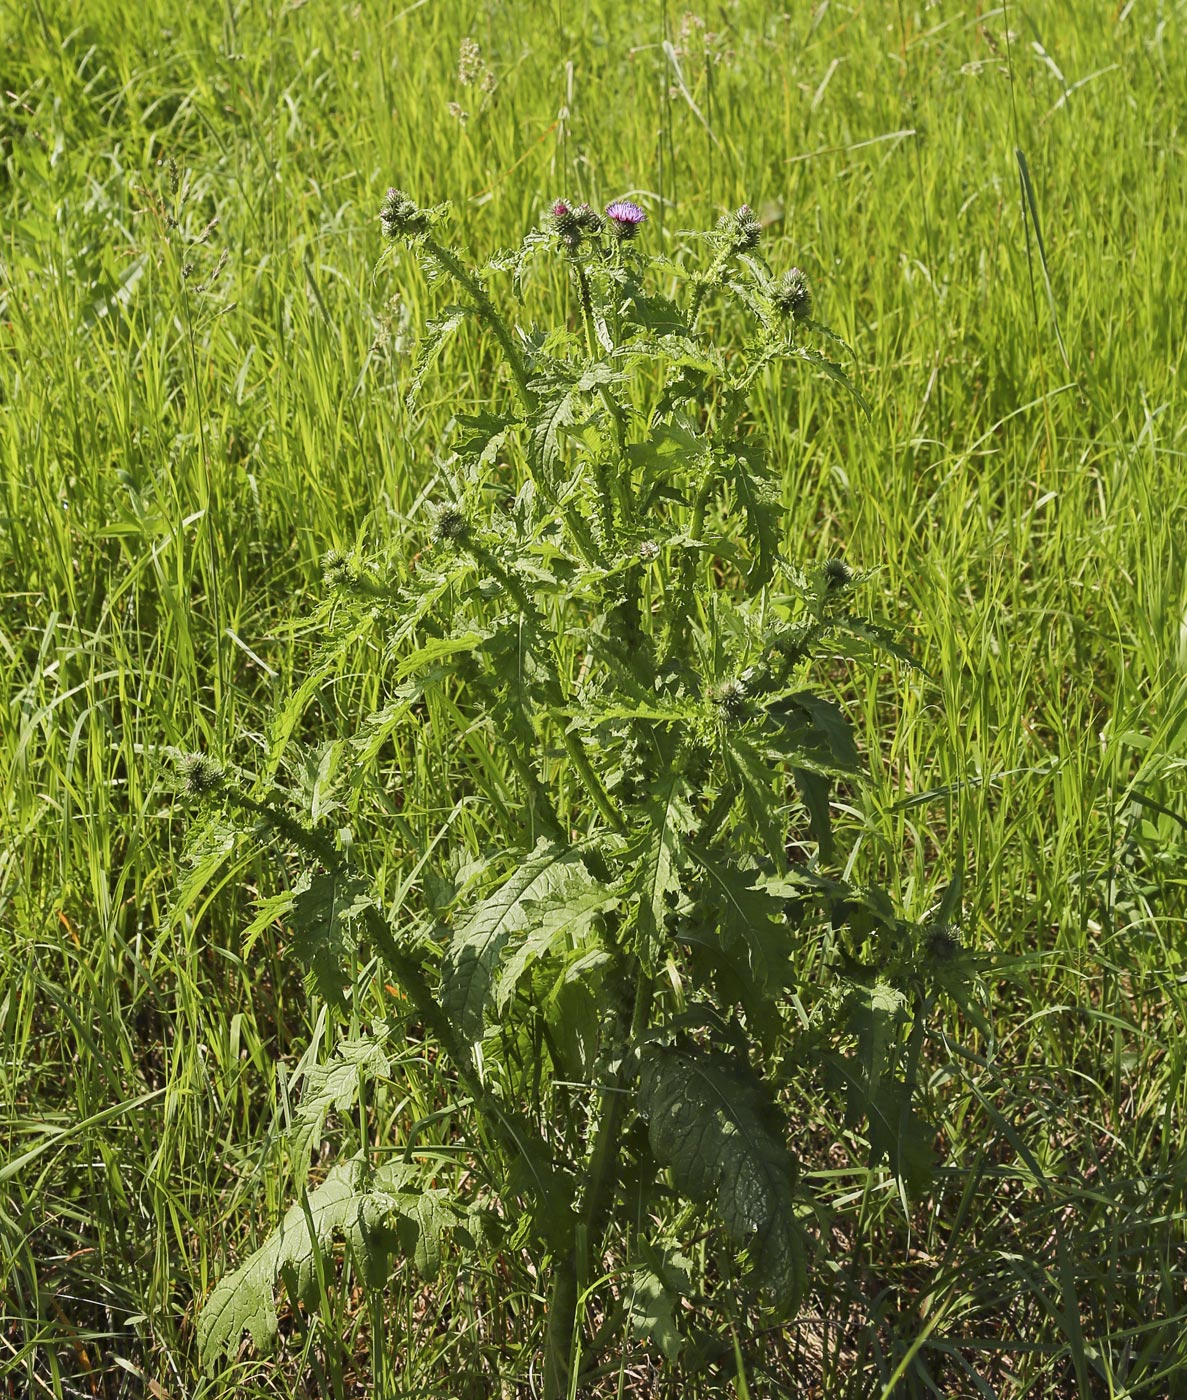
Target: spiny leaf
x,y
334,1085
483,434
758,493
833,370
435,336
320,911
669,820
755,779
566,914
747,922
563,406
473,958
350,1203
814,791
808,731
710,1121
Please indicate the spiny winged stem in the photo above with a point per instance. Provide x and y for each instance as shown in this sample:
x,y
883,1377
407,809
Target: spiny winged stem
x,y
516,1132
487,312
571,1275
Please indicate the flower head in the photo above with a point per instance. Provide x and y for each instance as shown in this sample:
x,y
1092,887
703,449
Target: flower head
x,y
625,217
730,699
793,295
199,773
400,216
566,224
588,220
740,228
450,526
837,574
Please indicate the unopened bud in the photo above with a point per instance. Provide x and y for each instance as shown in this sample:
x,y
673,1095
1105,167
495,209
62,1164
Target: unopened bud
x,y
451,526
400,216
792,295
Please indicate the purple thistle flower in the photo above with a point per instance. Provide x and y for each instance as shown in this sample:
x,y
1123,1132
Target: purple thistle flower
x,y
625,217
566,224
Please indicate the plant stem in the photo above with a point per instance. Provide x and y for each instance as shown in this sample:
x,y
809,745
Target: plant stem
x,y
593,784
487,312
571,1275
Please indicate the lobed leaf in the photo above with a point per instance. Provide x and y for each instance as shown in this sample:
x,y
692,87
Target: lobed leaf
x,y
472,961
711,1122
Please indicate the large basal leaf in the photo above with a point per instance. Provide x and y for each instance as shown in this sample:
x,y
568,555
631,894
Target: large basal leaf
x,y
710,1121
477,945
352,1204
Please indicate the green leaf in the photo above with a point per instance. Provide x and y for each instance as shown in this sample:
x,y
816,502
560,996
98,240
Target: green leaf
x,y
832,370
759,495
567,914
875,1013
710,1121
351,1203
483,434
814,790
471,964
334,1085
755,778
745,918
656,1290
563,408
320,911
669,819
435,336
810,732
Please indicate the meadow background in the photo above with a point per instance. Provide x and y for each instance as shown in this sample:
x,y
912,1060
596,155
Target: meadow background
x,y
201,391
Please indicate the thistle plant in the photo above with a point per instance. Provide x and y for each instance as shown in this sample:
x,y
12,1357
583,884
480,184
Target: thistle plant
x,y
649,943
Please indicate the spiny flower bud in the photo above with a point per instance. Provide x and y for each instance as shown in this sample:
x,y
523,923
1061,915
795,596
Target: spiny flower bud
x,y
943,944
566,224
588,220
837,574
741,228
730,699
199,773
792,295
625,217
451,526
400,216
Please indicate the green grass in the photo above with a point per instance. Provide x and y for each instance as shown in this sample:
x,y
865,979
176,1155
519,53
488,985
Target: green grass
x,y
177,451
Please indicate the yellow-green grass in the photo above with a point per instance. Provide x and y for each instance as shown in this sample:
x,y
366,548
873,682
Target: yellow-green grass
x,y
182,438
